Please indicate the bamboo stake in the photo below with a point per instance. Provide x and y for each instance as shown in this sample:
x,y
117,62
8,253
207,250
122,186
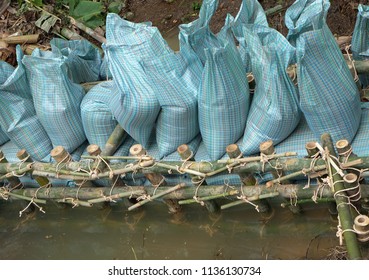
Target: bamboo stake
x,y
75,202
186,154
155,179
344,212
274,10
156,196
234,151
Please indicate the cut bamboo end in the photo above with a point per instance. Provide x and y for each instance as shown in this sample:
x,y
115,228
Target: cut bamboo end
x,y
311,148
267,147
93,150
343,146
184,151
233,151
361,227
60,154
137,150
350,178
22,154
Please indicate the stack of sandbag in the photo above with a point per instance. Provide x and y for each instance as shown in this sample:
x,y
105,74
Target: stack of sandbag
x,y
17,112
224,93
360,40
329,97
156,88
56,97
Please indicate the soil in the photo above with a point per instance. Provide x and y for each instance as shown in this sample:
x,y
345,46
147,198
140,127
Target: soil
x,y
164,14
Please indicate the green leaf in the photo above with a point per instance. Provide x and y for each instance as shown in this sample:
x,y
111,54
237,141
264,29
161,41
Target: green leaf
x,y
37,3
89,12
115,7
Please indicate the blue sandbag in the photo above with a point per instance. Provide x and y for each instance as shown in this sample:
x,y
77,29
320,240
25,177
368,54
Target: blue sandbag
x,y
274,111
360,40
196,36
135,105
3,137
329,97
17,113
82,59
56,98
97,118
175,79
250,12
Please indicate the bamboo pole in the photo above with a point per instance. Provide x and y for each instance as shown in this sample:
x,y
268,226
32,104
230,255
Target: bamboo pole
x,y
22,39
234,151
249,199
155,179
25,157
87,30
13,181
115,140
344,212
156,196
116,196
210,197
187,192
186,154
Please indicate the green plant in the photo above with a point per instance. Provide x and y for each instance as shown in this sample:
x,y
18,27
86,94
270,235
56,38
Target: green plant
x,y
196,6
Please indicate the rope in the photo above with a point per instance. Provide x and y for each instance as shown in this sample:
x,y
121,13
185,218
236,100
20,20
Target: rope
x,y
61,162
356,77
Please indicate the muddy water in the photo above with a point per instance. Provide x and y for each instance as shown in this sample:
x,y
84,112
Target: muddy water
x,y
152,233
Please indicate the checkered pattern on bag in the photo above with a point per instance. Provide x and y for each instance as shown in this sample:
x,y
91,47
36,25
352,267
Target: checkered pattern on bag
x,y
297,140
223,100
250,12
3,137
17,113
329,97
137,107
360,40
175,79
97,118
82,58
196,36
56,98
274,112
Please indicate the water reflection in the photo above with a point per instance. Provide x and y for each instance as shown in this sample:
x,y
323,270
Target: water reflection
x,y
153,233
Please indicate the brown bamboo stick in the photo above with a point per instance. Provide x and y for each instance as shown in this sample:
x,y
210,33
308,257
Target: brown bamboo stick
x,y
87,30
22,39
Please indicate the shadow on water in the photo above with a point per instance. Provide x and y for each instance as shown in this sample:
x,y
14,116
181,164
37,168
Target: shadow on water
x,y
152,233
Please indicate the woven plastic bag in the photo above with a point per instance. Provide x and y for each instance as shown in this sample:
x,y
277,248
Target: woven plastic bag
x,y
176,78
224,92
250,12
82,58
196,36
97,118
17,113
274,111
3,137
360,40
128,43
56,98
329,97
